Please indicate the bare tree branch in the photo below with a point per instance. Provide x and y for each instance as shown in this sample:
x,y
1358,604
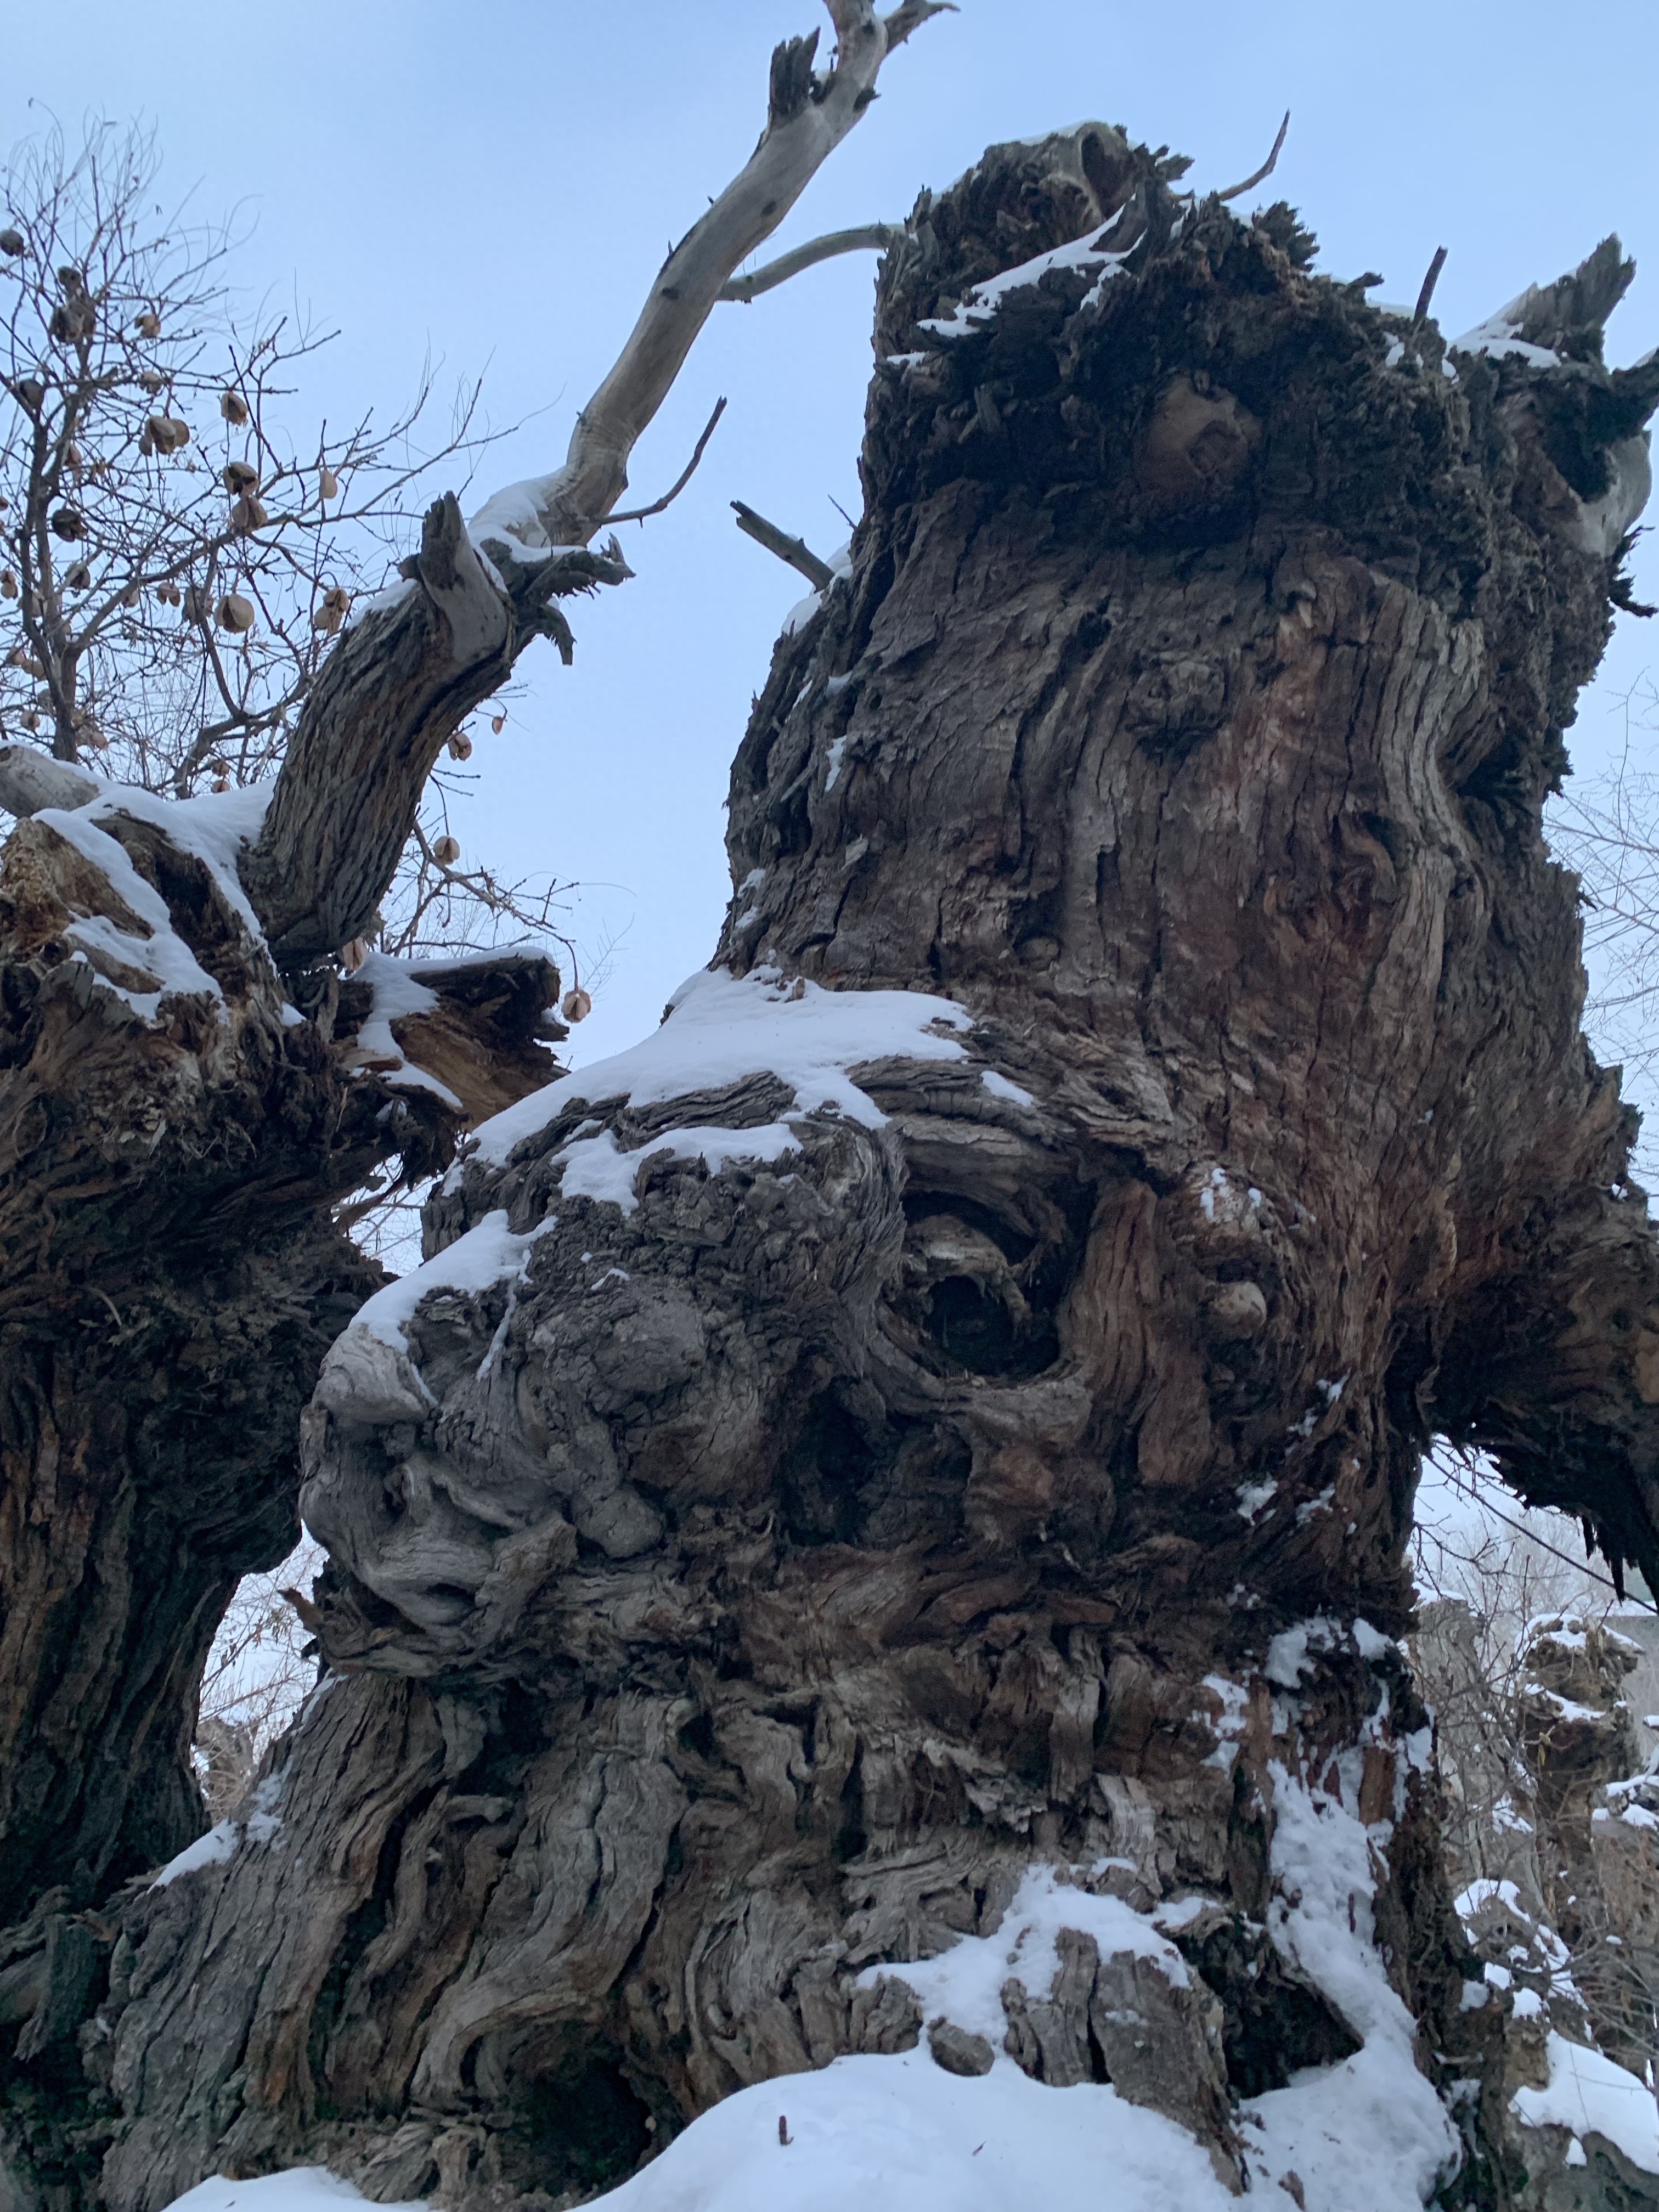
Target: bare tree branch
x,y
817,573
869,236
1258,176
809,117
639,513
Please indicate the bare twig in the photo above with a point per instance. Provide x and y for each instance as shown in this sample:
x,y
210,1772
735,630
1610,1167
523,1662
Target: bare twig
x,y
1419,313
817,573
1257,176
639,513
868,236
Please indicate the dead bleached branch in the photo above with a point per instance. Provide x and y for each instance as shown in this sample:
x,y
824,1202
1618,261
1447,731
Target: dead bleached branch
x,y
818,574
868,237
808,117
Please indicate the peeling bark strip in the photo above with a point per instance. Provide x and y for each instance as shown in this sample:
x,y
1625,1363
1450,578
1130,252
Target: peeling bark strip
x,y
770,1537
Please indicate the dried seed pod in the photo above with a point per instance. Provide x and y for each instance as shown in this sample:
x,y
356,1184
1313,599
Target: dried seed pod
x,y
152,380
445,851
234,408
238,476
146,444
69,523
130,596
79,578
328,484
77,465
72,320
28,391
498,723
247,515
576,1005
221,783
236,614
168,432
460,745
8,583
90,734
332,610
148,326
30,720
11,242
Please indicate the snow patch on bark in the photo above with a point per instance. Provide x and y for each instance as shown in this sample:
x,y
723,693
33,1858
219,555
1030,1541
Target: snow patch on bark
x,y
720,1028
964,1984
981,301
1589,2094
257,1826
214,828
1374,2114
596,1167
397,991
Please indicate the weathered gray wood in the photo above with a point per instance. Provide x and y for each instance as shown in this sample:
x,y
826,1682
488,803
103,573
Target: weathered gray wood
x,y
774,1572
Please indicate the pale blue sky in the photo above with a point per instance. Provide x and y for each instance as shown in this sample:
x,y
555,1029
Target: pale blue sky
x,y
499,182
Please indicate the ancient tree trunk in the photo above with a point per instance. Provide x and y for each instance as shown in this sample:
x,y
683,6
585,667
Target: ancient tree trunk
x,y
951,1401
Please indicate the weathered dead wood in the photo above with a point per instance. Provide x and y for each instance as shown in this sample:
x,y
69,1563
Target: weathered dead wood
x,y
786,1562
866,238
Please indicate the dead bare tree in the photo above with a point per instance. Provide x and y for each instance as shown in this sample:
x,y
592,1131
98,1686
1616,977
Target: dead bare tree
x,y
949,1404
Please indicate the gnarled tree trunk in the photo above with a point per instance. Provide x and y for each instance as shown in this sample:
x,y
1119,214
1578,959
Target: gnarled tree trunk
x,y
846,1454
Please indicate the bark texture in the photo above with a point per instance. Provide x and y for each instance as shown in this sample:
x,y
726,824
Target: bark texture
x,y
745,1589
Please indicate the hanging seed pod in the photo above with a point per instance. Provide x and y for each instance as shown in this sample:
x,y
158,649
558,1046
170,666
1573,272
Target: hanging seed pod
x,y
31,720
221,783
247,515
146,444
130,596
461,746
445,851
11,242
238,476
148,326
498,723
90,734
236,614
28,391
8,585
334,606
77,466
69,523
152,380
79,578
234,408
328,484
169,433
576,1005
